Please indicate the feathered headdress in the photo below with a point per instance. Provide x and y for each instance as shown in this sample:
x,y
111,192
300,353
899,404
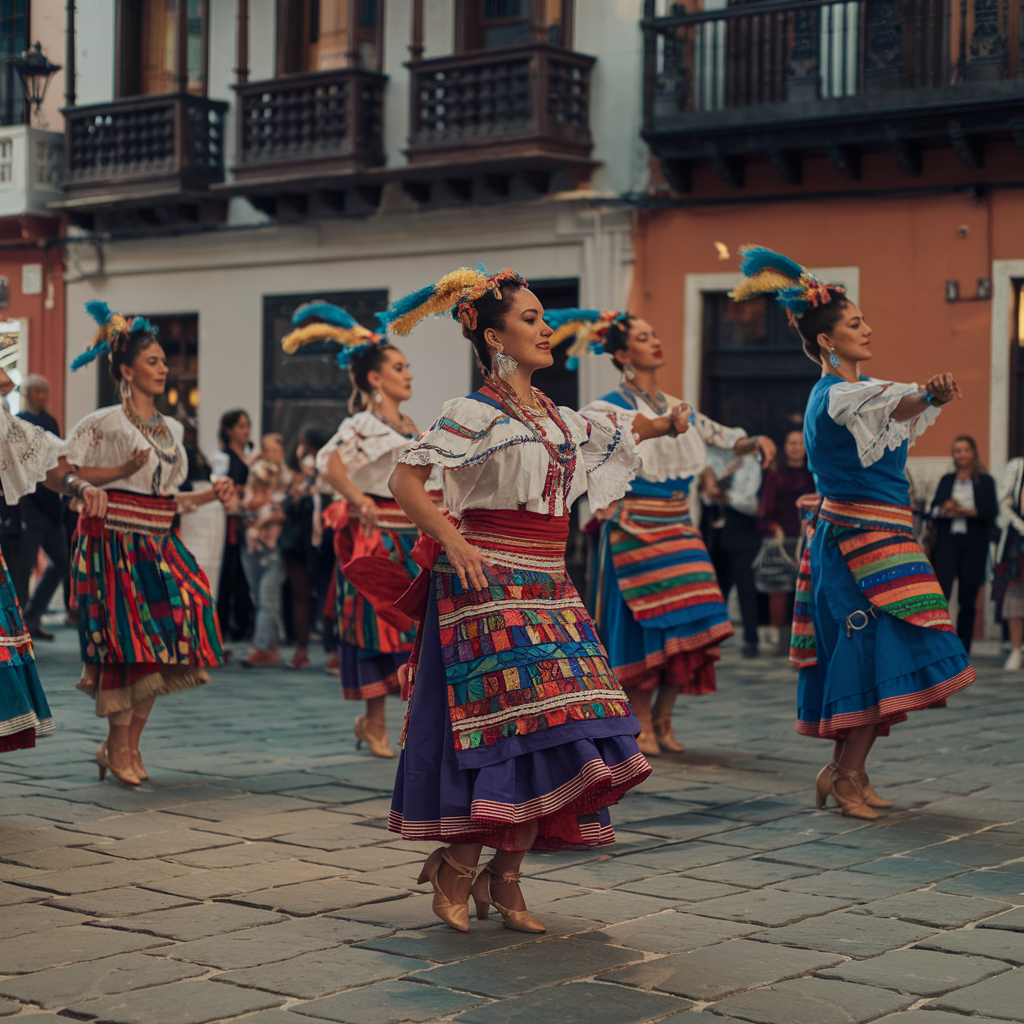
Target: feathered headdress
x,y
455,293
587,326
795,287
329,322
114,330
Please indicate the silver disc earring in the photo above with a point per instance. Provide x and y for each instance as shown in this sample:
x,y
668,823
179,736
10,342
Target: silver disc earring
x,y
124,389
627,372
504,366
377,396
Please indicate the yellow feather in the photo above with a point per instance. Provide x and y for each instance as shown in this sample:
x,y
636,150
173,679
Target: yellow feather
x,y
761,284
349,336
567,330
447,293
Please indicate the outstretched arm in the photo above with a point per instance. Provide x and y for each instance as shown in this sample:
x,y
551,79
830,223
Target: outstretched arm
x,y
63,479
942,388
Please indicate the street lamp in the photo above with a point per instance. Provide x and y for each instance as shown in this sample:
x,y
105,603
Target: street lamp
x,y
35,71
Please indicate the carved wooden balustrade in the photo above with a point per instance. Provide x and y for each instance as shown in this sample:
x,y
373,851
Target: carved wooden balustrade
x,y
145,146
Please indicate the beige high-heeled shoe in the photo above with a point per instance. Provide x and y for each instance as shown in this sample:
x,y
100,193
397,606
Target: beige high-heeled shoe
x,y
517,920
123,774
648,744
378,744
852,804
137,766
823,784
665,736
454,913
871,798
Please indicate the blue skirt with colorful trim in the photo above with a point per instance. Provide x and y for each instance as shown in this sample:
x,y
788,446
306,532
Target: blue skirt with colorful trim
x,y
552,797
870,675
24,713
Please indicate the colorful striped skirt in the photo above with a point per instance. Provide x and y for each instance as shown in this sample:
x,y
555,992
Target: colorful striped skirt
x,y
24,713
147,622
658,605
881,642
370,572
517,733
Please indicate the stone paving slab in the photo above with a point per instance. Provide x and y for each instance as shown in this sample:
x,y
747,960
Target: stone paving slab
x,y
310,898
162,844
196,884
847,933
384,1003
65,986
999,945
771,906
673,932
917,972
23,954
593,1003
1013,921
196,922
935,909
712,972
27,918
321,973
185,1002
1001,997
812,1001
123,901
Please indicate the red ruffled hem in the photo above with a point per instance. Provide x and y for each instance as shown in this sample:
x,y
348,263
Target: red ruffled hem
x,y
23,740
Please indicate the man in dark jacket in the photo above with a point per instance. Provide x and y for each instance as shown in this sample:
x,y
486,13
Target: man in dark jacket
x,y
42,522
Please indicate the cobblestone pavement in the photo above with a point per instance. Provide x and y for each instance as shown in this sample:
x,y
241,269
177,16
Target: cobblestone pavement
x,y
252,877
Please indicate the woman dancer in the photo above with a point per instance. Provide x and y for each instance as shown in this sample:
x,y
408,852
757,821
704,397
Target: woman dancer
x,y
872,635
965,510
28,457
657,604
373,537
518,735
1008,570
147,623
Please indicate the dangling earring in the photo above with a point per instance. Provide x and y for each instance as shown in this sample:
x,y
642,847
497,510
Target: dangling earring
x,y
628,372
833,358
504,366
377,396
124,390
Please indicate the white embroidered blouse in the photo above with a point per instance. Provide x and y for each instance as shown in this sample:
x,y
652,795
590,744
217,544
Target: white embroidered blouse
x,y
674,458
27,454
369,451
864,407
493,461
107,438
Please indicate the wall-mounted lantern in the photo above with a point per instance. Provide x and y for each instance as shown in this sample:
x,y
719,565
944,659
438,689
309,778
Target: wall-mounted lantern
x,y
35,71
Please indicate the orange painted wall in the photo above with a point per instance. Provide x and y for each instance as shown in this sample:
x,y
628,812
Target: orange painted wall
x,y
45,325
906,249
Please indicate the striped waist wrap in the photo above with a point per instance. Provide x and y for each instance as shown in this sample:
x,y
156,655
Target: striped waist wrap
x,y
886,562
128,512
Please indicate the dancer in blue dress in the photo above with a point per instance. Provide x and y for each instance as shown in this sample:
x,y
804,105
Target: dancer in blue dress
x,y
872,635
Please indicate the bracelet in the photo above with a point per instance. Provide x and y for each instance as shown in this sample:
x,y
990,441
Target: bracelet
x,y
72,485
929,398
673,430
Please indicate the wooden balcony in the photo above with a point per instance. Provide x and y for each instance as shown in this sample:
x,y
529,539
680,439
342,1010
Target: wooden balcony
x,y
781,78
322,123
143,153
515,107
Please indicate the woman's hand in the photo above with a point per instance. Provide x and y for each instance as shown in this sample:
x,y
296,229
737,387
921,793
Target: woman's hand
x,y
94,502
765,446
133,464
366,513
6,384
808,502
680,417
468,561
943,388
225,490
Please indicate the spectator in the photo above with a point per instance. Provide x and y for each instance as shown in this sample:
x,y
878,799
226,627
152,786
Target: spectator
x,y
965,510
234,607
779,519
261,559
42,523
730,486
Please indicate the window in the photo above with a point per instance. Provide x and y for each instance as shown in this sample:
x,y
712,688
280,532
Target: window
x,y
1016,447
13,42
313,35
484,24
308,387
148,52
754,371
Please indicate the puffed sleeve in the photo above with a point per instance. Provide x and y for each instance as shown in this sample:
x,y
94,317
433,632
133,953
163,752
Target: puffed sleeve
x,y
609,451
96,441
466,434
360,441
714,434
27,454
865,408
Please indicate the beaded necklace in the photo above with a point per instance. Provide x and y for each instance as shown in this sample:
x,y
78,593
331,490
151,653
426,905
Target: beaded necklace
x,y
158,434
403,426
562,456
658,402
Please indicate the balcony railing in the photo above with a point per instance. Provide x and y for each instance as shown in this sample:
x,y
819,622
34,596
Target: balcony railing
x,y
516,100
144,146
804,50
331,119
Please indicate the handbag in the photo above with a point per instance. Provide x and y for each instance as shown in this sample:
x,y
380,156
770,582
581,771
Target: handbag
x,y
775,569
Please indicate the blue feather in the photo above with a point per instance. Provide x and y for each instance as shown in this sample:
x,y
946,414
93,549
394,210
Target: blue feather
x,y
99,311
140,323
346,355
407,304
89,355
572,364
326,311
756,258
481,269
557,317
